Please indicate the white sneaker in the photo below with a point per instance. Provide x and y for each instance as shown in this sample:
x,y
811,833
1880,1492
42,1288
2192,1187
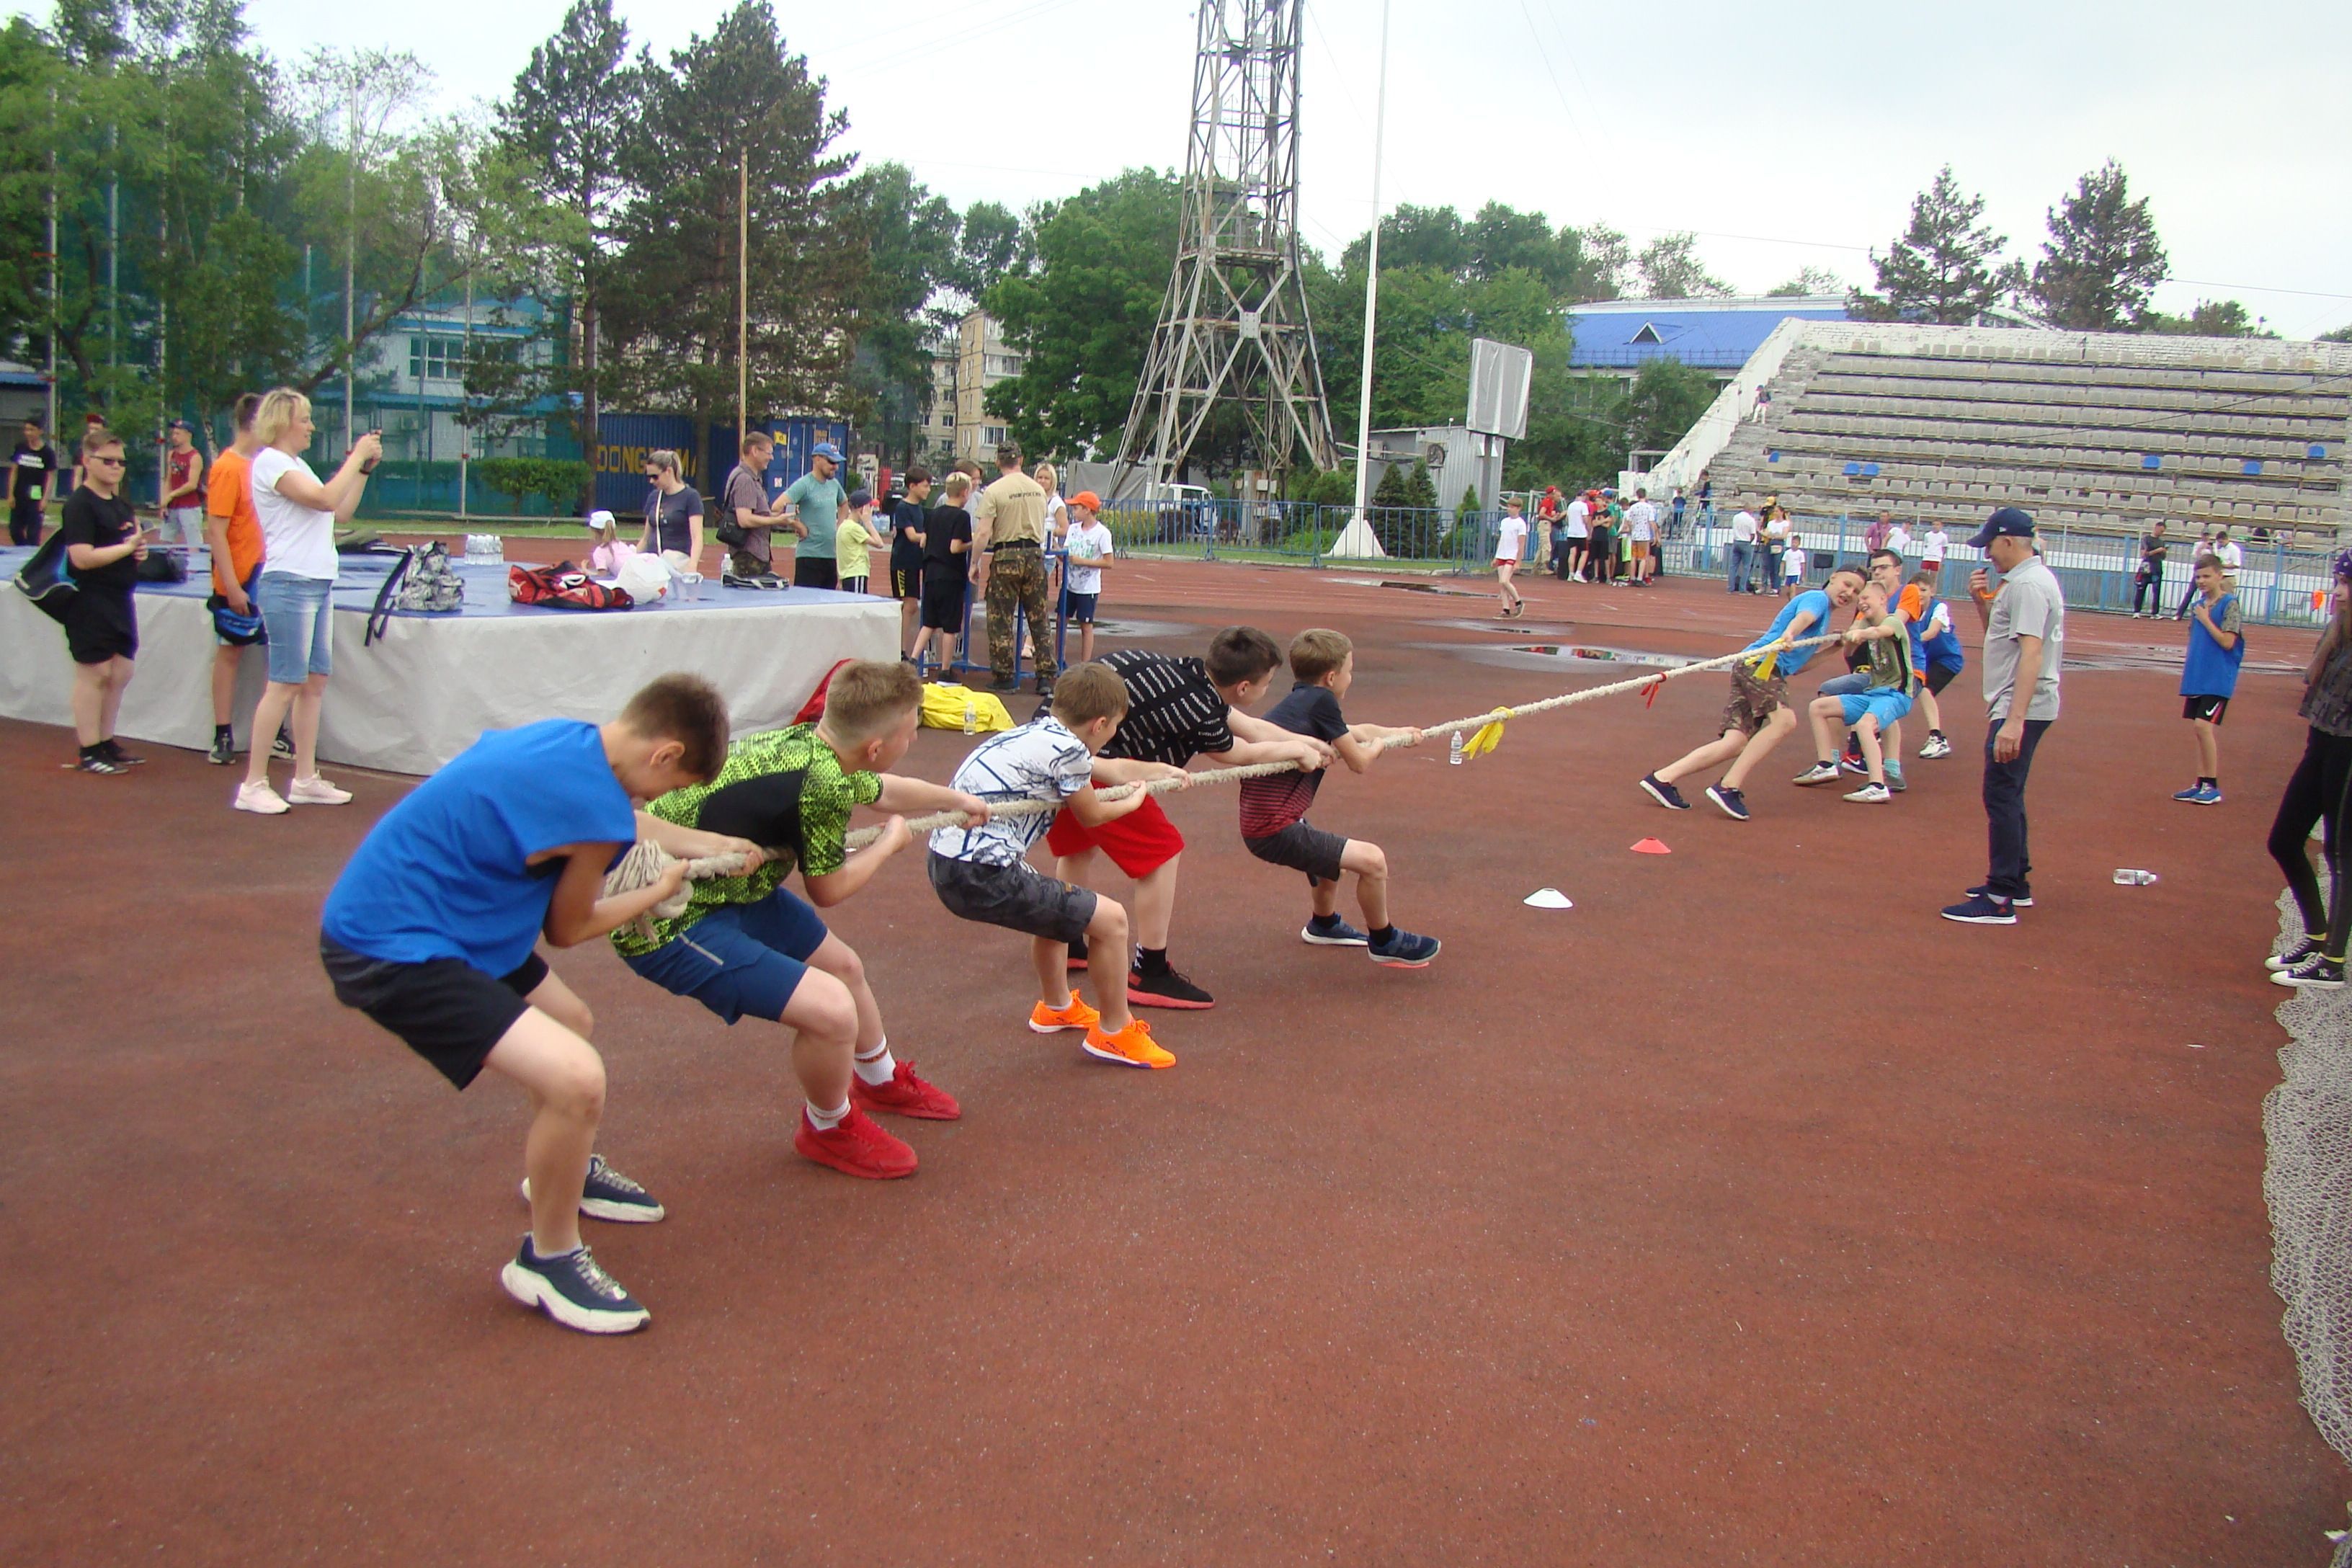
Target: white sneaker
x,y
261,799
1819,773
316,790
1937,746
1872,794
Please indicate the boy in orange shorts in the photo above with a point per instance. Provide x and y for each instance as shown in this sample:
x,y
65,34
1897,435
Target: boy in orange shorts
x,y
1178,709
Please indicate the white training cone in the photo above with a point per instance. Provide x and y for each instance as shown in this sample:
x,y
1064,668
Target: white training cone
x,y
1547,899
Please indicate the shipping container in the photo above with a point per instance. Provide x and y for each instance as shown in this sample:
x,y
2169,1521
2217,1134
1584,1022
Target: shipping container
x,y
619,458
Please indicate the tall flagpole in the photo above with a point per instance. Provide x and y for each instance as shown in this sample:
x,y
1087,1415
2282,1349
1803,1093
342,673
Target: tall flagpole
x,y
1372,278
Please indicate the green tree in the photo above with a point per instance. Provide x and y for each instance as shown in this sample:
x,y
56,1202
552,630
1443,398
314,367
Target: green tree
x,y
1665,400
911,235
2211,319
991,242
738,93
1608,262
1670,269
1810,282
1944,267
2340,335
1083,317
566,127
2102,260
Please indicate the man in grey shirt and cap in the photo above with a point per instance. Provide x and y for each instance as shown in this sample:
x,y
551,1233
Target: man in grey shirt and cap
x,y
2025,633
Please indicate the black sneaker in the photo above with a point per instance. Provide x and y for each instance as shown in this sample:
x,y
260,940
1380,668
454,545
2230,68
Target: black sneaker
x,y
1165,989
100,762
282,747
1403,950
1665,793
574,1292
224,750
1733,803
2317,972
115,753
729,578
1078,954
2023,900
608,1194
1336,932
2304,947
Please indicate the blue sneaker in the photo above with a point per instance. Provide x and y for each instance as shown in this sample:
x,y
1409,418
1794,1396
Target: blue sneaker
x,y
1984,890
1403,950
1665,793
1982,911
574,1292
2206,795
1338,934
1732,803
610,1195
2192,795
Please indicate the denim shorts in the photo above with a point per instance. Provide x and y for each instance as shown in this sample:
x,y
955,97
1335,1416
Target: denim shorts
x,y
300,624
739,958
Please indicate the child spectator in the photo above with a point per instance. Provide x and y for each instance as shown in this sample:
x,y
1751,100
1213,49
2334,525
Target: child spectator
x,y
1274,809
907,522
232,533
103,546
1090,546
432,928
1510,545
1793,566
1878,707
1932,546
947,540
1178,709
982,872
853,544
748,945
1759,713
2208,677
608,552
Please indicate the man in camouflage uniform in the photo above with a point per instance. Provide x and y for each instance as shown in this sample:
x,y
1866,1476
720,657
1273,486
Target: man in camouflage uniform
x,y
1008,570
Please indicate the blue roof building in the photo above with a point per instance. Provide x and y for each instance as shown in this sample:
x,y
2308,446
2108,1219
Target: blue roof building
x,y
1622,335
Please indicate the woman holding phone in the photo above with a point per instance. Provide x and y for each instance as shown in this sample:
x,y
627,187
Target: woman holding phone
x,y
297,515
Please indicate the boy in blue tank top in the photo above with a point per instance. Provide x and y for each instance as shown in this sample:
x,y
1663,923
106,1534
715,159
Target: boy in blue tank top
x,y
2208,677
433,932
1759,713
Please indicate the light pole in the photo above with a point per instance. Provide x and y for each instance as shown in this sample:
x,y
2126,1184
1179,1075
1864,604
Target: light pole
x,y
1372,278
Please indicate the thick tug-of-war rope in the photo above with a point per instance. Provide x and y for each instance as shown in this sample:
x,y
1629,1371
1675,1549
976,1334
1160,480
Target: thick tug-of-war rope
x,y
647,860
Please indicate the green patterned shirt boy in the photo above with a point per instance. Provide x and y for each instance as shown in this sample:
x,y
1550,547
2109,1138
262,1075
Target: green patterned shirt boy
x,y
784,789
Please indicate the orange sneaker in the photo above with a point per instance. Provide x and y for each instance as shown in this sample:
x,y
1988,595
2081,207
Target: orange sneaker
x,y
1077,1016
1130,1047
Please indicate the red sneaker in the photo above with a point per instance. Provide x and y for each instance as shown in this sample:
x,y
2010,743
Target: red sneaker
x,y
858,1147
905,1094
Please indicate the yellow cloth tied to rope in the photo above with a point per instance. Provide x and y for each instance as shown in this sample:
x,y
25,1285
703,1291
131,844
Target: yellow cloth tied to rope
x,y
1489,735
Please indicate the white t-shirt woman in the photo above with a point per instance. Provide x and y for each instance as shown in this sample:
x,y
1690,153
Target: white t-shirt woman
x,y
297,540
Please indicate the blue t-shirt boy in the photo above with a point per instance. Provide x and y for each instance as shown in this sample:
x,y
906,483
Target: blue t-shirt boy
x,y
2211,670
1795,659
446,873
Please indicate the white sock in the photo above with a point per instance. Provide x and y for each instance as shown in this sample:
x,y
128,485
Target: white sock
x,y
877,1068
826,1121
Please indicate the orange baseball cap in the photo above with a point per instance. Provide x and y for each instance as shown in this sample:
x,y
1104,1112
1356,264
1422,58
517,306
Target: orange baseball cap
x,y
1088,499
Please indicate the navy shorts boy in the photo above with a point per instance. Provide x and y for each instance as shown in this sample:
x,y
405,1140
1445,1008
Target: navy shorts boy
x,y
431,928
1274,810
1082,608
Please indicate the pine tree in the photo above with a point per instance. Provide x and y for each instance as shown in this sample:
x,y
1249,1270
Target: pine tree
x,y
1944,268
2102,261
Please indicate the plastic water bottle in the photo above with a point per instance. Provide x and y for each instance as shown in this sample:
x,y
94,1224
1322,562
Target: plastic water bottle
x,y
1454,749
970,717
2127,878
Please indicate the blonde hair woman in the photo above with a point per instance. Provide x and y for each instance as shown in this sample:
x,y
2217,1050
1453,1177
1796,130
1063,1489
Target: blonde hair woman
x,y
1057,516
297,515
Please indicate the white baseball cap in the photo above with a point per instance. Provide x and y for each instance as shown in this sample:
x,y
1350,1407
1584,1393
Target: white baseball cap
x,y
600,520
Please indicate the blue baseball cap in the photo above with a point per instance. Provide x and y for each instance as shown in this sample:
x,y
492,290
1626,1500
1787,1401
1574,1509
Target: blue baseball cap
x,y
2007,521
825,449
860,498
180,425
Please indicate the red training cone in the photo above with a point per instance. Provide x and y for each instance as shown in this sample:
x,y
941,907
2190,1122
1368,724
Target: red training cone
x,y
1651,847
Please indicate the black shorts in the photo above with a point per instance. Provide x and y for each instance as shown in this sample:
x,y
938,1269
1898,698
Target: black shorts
x,y
449,1012
808,574
1017,897
1082,608
943,598
1302,848
101,625
1939,676
852,585
906,582
2209,709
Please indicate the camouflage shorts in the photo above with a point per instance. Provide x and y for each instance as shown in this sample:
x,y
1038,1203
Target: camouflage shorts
x,y
1752,701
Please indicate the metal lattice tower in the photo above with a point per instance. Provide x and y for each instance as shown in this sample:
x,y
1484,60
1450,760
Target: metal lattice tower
x,y
1234,330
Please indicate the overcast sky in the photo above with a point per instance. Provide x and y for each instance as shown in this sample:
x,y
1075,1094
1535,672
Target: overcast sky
x,y
1782,136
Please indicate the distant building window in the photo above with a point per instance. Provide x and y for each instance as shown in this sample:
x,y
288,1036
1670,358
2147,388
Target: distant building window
x,y
992,435
437,358
1648,334
1004,364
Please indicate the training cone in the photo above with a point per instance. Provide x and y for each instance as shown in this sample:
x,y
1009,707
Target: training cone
x,y
1651,847
1547,899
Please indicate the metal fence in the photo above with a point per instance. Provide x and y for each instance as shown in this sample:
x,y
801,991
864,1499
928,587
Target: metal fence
x,y
1424,539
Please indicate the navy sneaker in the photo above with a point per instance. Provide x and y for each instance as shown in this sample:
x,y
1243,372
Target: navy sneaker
x,y
224,751
1665,793
574,1292
1335,933
282,748
116,754
1984,909
1733,804
1403,950
2304,949
608,1194
1984,890
96,762
2317,972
